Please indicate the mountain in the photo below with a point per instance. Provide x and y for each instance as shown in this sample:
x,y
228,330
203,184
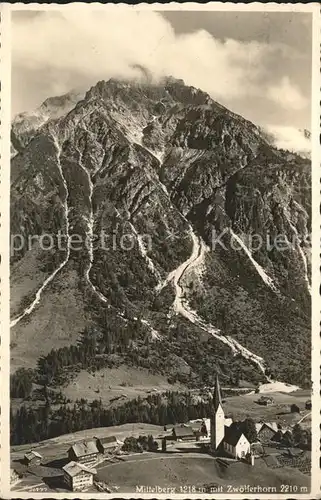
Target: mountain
x,y
132,215
25,125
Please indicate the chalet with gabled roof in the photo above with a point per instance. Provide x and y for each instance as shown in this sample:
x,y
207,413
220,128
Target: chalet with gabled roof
x,y
266,431
107,444
183,433
78,476
84,452
32,457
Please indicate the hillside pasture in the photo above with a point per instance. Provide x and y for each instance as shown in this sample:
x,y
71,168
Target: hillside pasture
x,y
192,469
246,406
115,386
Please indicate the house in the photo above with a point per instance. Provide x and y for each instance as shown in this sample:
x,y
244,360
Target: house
x,y
266,431
196,424
14,476
235,443
78,476
107,444
183,433
201,428
32,458
265,400
85,452
308,405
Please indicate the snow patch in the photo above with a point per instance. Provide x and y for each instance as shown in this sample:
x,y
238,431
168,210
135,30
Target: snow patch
x,y
275,386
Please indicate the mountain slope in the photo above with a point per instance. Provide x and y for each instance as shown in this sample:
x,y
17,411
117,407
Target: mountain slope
x,y
147,177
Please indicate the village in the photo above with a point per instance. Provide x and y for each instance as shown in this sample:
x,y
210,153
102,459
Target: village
x,y
224,447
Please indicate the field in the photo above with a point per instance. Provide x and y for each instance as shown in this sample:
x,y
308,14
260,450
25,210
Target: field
x,y
241,407
183,464
59,319
175,470
57,447
26,278
178,470
117,385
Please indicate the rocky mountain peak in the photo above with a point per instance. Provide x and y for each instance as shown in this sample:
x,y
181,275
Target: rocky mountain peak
x,y
166,163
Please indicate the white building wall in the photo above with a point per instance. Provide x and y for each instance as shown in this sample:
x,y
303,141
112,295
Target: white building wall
x,y
243,447
82,480
217,428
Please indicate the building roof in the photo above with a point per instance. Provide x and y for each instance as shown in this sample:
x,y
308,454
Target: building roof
x,y
197,424
233,434
183,431
108,440
271,425
84,448
74,468
266,398
258,426
32,454
217,398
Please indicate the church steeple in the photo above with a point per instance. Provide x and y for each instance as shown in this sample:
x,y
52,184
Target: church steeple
x,y
218,418
217,398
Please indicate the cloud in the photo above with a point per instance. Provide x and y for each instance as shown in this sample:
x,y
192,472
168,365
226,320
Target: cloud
x,y
287,95
56,51
290,138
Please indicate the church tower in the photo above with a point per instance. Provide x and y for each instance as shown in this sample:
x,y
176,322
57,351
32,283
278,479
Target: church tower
x,y
218,419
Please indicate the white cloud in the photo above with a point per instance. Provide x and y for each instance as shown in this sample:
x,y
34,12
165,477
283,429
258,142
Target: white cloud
x,y
77,48
290,138
287,95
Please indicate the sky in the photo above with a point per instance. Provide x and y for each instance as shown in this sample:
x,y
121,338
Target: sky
x,y
257,64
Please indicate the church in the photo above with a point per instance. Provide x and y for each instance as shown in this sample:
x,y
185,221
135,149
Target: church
x,y
229,439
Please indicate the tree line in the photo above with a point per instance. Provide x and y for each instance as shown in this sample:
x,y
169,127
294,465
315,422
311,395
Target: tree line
x,y
31,424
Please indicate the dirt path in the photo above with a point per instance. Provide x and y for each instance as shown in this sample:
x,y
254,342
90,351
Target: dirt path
x,y
305,416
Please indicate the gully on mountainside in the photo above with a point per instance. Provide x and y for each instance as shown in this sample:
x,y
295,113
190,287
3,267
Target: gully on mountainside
x,y
50,278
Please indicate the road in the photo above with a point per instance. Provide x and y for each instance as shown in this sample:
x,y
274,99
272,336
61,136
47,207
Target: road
x,y
305,416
